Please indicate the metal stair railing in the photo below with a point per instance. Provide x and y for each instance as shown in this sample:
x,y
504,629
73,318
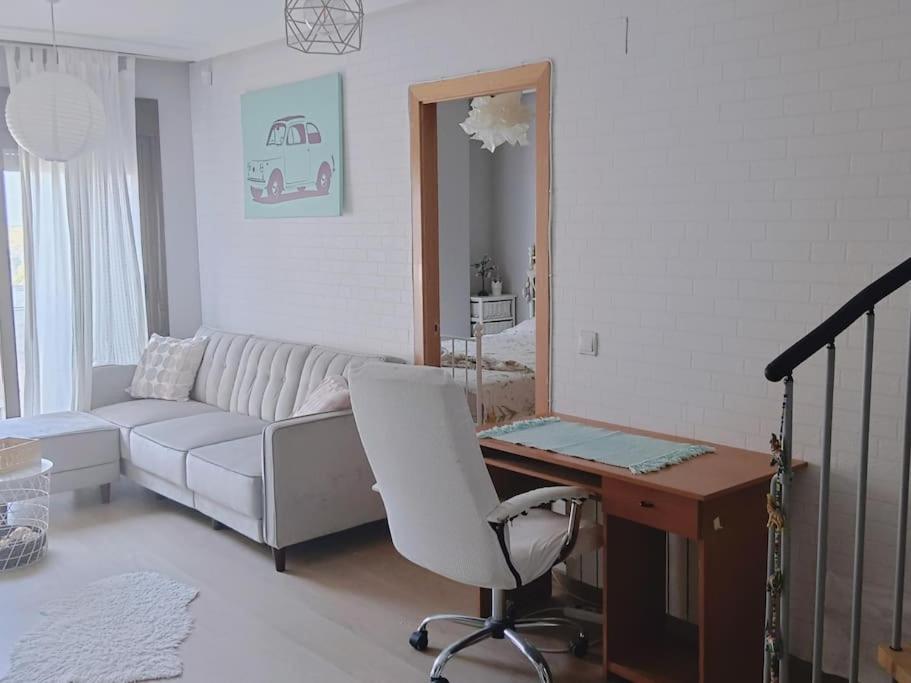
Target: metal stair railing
x,y
777,642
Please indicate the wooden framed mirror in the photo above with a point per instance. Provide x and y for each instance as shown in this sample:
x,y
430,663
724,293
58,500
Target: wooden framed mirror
x,y
423,100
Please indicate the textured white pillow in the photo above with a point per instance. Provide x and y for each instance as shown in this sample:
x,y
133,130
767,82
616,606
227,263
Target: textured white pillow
x,y
168,368
329,395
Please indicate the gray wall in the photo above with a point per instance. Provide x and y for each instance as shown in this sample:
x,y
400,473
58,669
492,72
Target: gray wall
x,y
6,140
486,206
168,82
455,218
480,163
513,213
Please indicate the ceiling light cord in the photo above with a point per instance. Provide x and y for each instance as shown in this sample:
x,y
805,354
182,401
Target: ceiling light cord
x,y
54,31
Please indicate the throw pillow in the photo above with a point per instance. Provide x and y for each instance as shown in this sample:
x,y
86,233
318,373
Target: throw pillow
x,y
168,368
329,395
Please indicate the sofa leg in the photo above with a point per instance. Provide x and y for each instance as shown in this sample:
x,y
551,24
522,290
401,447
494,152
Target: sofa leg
x,y
105,493
278,554
218,526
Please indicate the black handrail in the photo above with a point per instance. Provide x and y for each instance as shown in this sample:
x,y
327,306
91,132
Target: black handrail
x,y
838,322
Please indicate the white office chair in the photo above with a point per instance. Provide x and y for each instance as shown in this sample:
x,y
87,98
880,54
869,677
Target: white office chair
x,y
444,513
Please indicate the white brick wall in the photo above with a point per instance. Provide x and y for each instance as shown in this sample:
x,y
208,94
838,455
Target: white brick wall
x,y
742,172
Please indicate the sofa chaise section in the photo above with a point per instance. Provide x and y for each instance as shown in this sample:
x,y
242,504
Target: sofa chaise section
x,y
83,448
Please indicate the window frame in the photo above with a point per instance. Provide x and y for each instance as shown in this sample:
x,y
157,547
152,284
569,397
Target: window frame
x,y
284,126
296,127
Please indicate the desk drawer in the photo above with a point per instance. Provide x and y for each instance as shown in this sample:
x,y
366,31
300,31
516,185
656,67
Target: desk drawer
x,y
653,508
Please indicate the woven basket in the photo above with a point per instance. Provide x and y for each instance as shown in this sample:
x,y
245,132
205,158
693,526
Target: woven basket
x,y
18,453
23,553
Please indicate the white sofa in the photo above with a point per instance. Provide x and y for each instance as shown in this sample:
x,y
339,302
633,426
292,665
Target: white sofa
x,y
234,452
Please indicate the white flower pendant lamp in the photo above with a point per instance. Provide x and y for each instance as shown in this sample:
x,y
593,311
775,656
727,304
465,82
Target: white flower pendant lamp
x,y
54,115
497,119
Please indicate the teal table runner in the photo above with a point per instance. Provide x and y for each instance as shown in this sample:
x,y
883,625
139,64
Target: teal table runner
x,y
638,454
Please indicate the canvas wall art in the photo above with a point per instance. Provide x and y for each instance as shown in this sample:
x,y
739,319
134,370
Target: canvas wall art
x,y
293,149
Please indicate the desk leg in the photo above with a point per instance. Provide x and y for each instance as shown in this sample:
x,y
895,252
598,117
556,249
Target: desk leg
x,y
732,568
634,591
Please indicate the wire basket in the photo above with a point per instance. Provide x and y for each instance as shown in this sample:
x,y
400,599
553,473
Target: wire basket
x,y
24,496
18,453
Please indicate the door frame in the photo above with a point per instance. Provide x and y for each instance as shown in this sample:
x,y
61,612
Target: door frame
x,y
423,98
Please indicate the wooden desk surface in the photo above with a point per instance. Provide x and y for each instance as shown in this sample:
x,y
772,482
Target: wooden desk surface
x,y
705,477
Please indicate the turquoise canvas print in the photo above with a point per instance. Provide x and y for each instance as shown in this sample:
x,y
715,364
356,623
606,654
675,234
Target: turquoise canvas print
x,y
293,149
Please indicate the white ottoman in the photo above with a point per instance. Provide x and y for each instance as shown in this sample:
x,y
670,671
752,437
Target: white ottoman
x,y
85,449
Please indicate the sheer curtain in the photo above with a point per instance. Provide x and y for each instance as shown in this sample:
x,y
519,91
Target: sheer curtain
x,y
84,292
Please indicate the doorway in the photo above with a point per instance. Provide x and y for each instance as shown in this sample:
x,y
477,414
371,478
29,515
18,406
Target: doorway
x,y
423,101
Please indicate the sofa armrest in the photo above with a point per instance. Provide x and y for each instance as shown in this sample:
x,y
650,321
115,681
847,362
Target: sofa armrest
x,y
110,384
316,479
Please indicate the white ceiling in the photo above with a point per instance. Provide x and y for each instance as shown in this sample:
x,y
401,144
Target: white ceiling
x,y
185,30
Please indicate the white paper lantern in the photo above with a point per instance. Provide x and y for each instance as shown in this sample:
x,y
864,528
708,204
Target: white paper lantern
x,y
497,119
55,116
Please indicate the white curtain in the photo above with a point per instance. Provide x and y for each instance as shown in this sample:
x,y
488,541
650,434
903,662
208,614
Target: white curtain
x,y
84,301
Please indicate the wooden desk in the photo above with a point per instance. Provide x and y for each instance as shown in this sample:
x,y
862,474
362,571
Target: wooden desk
x,y
719,501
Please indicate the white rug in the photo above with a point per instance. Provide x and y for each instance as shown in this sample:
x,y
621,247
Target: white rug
x,y
117,630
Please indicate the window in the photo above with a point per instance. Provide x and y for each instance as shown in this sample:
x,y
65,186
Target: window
x,y
296,134
313,136
276,134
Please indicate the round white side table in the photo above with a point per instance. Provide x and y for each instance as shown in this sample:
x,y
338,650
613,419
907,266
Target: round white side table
x,y
24,495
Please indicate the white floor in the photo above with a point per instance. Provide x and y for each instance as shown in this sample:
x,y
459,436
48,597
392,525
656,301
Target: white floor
x,y
342,612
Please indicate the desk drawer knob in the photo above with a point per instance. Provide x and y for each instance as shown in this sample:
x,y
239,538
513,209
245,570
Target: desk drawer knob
x,y
646,504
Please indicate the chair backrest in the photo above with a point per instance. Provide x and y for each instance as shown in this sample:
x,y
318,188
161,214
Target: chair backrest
x,y
420,441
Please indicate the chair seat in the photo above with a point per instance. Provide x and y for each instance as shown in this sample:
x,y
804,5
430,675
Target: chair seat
x,y
535,541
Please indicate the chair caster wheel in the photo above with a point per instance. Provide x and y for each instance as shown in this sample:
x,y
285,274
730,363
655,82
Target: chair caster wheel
x,y
418,641
579,646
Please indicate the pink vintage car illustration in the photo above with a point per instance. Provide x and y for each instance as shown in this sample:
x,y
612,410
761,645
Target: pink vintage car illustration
x,y
297,165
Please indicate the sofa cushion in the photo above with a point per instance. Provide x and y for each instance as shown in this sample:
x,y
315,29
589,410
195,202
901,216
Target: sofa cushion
x,y
229,473
265,378
130,414
167,368
322,362
144,411
275,377
161,448
218,371
70,440
331,394
268,378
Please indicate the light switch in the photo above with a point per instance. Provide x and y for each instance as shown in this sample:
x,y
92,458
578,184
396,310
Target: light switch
x,y
588,343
